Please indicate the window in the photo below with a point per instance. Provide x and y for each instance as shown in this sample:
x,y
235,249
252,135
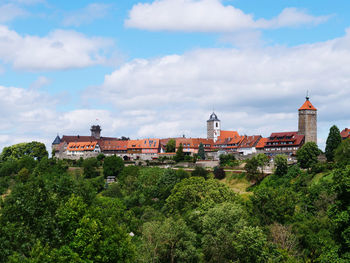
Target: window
x,y
217,125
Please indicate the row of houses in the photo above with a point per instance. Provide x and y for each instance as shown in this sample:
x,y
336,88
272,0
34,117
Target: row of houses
x,y
74,147
217,141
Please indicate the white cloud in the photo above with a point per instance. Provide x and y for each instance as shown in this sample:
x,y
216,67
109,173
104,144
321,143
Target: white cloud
x,y
209,16
58,50
10,11
254,91
86,15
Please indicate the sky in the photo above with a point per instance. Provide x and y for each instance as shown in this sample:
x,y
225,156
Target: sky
x,y
146,69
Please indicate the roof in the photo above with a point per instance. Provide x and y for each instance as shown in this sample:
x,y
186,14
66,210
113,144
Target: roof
x,y
261,144
194,142
57,140
78,138
345,133
281,137
114,145
213,117
307,105
228,137
143,144
249,141
82,146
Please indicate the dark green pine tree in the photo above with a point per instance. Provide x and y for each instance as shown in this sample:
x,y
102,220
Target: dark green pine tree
x,y
201,152
332,143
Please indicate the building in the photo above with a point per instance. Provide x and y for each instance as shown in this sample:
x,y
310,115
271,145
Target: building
x,y
345,133
83,149
308,121
284,143
213,127
248,144
228,141
191,145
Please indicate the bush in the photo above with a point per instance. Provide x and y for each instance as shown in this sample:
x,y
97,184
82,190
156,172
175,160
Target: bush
x,y
112,166
90,168
281,165
228,160
219,173
200,172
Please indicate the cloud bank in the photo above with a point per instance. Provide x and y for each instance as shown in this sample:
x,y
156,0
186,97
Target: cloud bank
x,y
59,50
209,16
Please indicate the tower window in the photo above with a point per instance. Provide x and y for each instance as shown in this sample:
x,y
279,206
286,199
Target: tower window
x,y
216,125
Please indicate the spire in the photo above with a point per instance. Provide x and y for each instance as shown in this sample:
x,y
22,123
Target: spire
x,y
307,104
307,95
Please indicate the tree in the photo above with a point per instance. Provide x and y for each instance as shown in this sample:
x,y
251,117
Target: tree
x,y
281,165
37,150
307,155
180,156
201,152
168,241
227,160
196,192
332,143
200,172
170,146
90,168
251,168
263,160
219,173
112,166
342,153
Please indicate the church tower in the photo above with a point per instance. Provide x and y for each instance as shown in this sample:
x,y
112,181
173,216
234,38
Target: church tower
x,y
96,131
308,121
213,127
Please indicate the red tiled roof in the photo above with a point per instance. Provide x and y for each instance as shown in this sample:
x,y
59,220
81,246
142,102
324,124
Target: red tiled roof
x,y
249,141
279,137
78,138
114,145
345,133
261,143
307,106
143,144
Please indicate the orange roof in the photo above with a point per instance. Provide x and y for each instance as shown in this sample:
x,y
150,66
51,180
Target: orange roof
x,y
307,105
143,144
193,142
261,143
250,141
81,146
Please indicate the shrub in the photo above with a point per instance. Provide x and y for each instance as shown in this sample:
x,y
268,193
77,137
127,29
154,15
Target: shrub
x,y
200,172
219,173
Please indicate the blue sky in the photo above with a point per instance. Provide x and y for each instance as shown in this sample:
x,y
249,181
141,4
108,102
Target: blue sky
x,y
158,68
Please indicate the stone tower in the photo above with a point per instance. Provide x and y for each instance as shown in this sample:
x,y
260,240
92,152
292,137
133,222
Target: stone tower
x,y
213,127
308,121
96,131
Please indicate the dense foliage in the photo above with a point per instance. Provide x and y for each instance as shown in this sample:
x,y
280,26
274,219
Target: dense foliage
x,y
332,143
53,212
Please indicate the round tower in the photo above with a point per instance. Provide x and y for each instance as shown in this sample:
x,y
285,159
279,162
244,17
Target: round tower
x,y
213,127
308,121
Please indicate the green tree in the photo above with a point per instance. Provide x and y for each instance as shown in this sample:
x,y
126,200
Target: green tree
x,y
263,160
342,153
201,152
307,155
281,165
273,204
196,192
170,146
112,166
37,150
200,172
332,143
168,241
90,168
251,168
180,156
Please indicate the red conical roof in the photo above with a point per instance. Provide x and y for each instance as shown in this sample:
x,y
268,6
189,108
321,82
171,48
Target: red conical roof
x,y
307,105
